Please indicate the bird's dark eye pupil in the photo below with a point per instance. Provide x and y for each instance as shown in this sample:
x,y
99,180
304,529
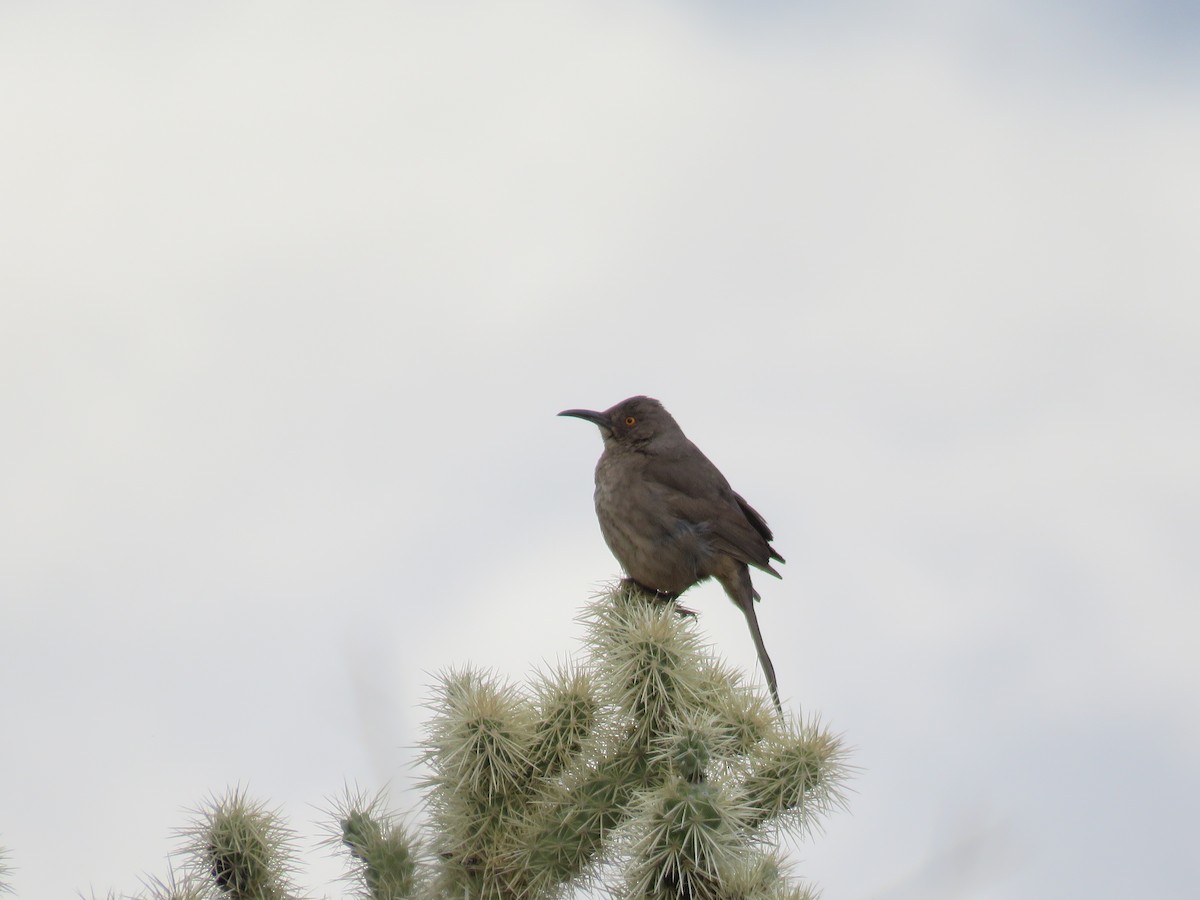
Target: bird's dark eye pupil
x,y
630,421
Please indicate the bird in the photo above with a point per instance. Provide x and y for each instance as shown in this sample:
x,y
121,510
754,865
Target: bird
x,y
670,517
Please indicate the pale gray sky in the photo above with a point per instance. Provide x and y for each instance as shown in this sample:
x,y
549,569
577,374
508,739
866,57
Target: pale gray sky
x,y
292,292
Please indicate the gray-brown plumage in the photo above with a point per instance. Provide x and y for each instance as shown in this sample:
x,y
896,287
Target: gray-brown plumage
x,y
670,517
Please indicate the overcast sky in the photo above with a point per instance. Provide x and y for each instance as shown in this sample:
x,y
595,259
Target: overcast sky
x,y
291,292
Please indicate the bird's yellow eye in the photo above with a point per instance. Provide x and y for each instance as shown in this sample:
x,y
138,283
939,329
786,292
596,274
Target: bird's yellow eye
x,y
630,421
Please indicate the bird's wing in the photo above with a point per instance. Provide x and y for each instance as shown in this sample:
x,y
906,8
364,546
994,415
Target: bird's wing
x,y
697,492
759,523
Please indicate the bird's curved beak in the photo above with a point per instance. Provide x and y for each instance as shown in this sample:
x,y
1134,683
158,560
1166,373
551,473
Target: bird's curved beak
x,y
596,418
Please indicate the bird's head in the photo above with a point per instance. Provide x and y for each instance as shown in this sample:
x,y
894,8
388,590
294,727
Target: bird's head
x,y
631,422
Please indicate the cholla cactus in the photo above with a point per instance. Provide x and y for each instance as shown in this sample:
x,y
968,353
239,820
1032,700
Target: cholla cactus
x,y
241,848
183,887
386,855
651,759
5,887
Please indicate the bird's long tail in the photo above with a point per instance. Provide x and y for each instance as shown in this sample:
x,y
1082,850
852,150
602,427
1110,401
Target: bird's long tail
x,y
763,658
743,594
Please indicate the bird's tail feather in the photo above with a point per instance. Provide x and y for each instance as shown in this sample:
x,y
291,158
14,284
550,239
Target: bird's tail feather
x,y
764,658
741,591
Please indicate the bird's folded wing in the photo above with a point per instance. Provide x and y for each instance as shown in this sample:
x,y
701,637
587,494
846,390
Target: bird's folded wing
x,y
697,492
759,523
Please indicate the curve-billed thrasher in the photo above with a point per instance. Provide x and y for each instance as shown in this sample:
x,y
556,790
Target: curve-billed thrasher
x,y
670,517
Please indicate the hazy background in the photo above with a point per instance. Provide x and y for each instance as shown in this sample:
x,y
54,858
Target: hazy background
x,y
291,293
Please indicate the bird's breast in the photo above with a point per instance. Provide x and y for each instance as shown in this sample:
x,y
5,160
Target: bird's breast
x,y
653,544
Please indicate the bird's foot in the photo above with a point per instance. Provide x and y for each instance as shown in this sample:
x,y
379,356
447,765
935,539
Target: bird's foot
x,y
656,596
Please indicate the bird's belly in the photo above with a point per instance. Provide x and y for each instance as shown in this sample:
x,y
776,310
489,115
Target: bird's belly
x,y
658,551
